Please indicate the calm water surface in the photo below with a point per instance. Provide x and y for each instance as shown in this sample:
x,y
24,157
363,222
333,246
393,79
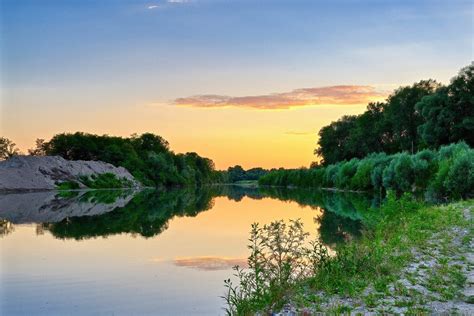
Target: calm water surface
x,y
167,253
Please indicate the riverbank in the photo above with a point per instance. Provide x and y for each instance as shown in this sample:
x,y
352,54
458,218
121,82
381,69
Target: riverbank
x,y
413,258
426,265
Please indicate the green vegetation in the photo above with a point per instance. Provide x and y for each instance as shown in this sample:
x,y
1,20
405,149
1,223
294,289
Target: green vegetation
x,y
147,214
68,185
238,174
284,267
149,210
425,115
147,157
444,174
105,181
102,181
278,259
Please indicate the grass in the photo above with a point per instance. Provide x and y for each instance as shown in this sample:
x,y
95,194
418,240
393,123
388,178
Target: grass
x,y
374,261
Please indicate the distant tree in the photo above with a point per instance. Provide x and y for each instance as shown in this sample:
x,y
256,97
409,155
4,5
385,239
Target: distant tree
x,y
146,156
7,148
236,173
40,148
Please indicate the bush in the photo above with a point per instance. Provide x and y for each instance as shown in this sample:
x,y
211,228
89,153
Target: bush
x,y
279,258
68,185
459,180
105,181
345,173
442,174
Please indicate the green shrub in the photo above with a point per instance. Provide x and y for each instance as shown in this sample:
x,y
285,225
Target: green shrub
x,y
68,185
459,181
362,178
442,174
105,181
280,257
345,173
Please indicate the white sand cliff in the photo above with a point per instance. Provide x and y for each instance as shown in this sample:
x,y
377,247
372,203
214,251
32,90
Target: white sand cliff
x,y
30,173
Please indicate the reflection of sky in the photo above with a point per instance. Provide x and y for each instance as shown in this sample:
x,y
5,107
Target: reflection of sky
x,y
116,66
174,271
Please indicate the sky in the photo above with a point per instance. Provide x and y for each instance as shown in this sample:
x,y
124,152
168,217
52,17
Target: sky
x,y
241,82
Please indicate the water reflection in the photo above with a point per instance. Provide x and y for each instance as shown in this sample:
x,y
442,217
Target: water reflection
x,y
93,252
83,215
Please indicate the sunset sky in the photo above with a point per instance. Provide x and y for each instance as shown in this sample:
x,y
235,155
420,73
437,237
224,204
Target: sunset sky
x,y
240,82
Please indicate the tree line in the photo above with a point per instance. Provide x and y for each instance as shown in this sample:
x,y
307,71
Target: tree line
x,y
439,174
147,157
425,115
237,173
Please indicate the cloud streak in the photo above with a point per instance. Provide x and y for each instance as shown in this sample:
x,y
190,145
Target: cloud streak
x,y
343,94
300,133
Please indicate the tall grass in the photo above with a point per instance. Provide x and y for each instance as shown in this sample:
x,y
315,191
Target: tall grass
x,y
280,257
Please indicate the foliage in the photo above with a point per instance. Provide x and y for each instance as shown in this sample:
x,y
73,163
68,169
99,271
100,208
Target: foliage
x,y
68,185
147,157
448,115
375,260
443,174
147,214
7,148
424,115
237,173
105,181
279,259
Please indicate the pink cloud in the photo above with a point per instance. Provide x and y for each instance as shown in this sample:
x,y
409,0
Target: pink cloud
x,y
349,94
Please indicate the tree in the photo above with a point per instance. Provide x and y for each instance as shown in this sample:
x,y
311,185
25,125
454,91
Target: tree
x,y
40,148
449,114
7,148
146,156
333,140
402,118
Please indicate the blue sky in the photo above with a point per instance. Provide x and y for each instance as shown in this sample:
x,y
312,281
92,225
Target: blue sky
x,y
69,56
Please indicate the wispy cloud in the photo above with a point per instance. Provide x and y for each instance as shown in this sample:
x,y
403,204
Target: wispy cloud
x,y
300,133
210,263
347,94
167,3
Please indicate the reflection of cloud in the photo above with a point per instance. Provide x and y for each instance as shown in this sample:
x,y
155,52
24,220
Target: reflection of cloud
x,y
177,1
296,98
210,263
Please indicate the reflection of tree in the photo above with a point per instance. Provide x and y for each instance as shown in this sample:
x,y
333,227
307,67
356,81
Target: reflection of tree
x,y
147,214
343,213
6,227
335,229
237,192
